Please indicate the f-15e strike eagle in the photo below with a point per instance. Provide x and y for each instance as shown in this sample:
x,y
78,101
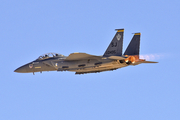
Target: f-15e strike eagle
x,y
83,63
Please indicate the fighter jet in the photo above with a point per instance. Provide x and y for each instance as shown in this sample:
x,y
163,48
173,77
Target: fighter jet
x,y
82,63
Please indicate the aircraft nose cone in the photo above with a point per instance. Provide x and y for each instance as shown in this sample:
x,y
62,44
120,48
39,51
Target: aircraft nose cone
x,y
20,70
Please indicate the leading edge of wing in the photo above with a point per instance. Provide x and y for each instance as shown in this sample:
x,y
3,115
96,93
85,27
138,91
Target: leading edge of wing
x,y
117,57
81,56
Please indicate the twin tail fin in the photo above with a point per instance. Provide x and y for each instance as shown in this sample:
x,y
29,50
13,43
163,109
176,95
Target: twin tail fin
x,y
134,45
116,45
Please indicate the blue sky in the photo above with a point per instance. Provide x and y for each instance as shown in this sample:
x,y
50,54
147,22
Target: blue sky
x,y
147,91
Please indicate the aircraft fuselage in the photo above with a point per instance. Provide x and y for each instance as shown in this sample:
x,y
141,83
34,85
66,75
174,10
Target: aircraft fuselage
x,y
79,66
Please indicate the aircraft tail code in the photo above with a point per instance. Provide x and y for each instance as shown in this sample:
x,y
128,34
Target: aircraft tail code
x,y
115,47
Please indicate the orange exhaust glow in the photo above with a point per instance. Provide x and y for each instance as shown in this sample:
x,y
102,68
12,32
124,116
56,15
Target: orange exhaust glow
x,y
136,58
132,59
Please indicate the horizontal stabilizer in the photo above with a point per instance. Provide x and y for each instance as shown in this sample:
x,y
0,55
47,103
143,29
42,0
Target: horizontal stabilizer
x,y
81,56
148,62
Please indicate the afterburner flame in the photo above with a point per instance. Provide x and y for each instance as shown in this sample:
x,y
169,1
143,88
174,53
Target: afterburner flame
x,y
132,59
150,56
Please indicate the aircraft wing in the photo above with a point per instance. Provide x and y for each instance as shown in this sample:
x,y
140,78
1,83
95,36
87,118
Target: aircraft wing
x,y
81,56
117,57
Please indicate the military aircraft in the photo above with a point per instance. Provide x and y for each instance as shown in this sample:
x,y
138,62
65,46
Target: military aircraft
x,y
82,63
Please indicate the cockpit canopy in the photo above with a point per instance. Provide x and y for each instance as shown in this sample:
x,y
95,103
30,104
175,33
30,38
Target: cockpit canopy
x,y
49,55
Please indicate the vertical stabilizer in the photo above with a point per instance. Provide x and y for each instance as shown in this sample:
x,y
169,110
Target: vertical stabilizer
x,y
134,45
115,47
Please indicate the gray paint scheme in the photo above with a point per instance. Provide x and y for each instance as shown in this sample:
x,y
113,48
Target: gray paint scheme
x,y
82,63
134,46
116,45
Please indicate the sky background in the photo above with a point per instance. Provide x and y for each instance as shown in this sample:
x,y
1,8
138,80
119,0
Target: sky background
x,y
31,28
